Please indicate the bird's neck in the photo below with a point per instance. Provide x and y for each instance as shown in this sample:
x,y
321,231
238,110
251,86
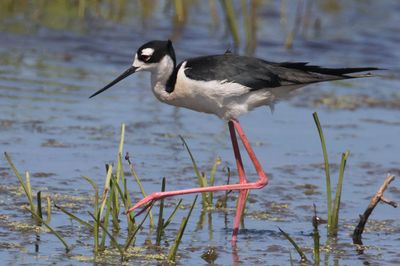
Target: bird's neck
x,y
161,78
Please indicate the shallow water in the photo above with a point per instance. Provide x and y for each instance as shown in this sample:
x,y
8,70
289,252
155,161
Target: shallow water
x,y
49,67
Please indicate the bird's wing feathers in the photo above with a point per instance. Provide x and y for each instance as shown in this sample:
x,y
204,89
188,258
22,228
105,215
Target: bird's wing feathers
x,y
260,74
246,71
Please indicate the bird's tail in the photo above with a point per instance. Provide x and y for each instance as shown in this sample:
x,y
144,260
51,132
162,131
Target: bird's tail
x,y
330,71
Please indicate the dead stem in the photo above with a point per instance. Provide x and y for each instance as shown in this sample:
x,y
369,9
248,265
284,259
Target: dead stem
x,y
374,201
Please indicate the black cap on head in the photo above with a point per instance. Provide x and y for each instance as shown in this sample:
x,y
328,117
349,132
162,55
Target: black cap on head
x,y
156,50
161,48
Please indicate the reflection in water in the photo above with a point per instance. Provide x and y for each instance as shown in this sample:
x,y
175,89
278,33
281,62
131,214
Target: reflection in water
x,y
37,242
235,254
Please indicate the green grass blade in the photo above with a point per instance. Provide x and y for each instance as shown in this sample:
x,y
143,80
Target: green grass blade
x,y
172,214
336,205
106,188
120,149
121,194
72,216
114,205
298,249
39,204
48,219
228,9
222,201
122,138
127,203
121,251
174,248
247,25
106,217
29,187
160,225
119,176
328,178
316,237
137,179
180,14
201,180
95,187
196,169
67,249
212,179
125,197
96,213
21,181
132,236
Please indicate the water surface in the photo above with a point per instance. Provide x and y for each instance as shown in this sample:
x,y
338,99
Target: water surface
x,y
50,64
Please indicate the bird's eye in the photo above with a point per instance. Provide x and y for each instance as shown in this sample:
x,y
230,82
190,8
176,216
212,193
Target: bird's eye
x,y
145,58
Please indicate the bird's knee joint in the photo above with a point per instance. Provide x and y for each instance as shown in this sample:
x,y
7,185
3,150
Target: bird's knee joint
x,y
262,182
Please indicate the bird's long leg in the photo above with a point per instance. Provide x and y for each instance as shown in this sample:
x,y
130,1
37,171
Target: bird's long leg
x,y
242,180
260,183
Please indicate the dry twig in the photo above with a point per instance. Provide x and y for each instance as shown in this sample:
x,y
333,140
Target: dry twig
x,y
374,201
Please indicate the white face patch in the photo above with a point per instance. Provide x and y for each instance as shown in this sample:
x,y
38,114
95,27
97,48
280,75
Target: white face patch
x,y
143,66
136,62
148,52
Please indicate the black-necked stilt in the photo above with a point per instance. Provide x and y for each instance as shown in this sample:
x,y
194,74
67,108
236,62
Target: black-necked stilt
x,y
228,86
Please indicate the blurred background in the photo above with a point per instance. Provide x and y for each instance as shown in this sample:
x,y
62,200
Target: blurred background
x,y
54,54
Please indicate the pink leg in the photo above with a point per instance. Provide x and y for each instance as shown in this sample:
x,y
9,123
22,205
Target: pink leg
x,y
243,185
242,180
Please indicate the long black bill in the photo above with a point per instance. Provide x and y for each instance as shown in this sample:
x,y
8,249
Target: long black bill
x,y
127,73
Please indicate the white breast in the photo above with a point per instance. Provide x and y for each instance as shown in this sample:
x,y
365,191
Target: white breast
x,y
225,99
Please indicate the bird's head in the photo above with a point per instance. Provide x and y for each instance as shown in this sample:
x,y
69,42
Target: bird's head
x,y
149,57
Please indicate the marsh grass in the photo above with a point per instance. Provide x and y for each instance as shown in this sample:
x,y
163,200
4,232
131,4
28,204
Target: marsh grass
x,y
108,201
207,197
137,179
160,225
34,214
222,201
26,185
178,239
332,208
36,211
316,236
295,245
237,18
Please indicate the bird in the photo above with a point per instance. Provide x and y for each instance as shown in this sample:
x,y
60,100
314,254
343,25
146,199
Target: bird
x,y
226,85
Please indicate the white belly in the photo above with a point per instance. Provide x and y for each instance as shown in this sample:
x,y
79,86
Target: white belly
x,y
225,99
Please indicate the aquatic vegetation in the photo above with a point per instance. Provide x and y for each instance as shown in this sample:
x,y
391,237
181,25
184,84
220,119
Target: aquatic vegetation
x,y
106,209
178,239
298,249
26,185
207,197
160,224
333,208
36,212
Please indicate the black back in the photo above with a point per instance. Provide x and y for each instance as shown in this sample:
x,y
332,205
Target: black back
x,y
258,74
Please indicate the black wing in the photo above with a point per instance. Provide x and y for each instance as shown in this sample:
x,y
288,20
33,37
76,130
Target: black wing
x,y
258,74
